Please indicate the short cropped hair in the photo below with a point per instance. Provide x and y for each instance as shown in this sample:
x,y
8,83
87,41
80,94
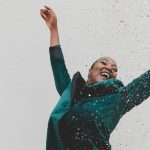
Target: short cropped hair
x,y
92,66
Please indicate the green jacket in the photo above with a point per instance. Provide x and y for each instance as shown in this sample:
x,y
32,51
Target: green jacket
x,y
109,98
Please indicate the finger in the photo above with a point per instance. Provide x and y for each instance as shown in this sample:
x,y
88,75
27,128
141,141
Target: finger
x,y
43,16
46,13
47,7
44,10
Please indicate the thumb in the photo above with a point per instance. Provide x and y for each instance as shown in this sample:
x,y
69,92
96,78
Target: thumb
x,y
43,16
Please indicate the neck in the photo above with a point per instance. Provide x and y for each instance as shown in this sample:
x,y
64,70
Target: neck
x,y
88,82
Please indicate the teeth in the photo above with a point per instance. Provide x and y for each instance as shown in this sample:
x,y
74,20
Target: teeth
x,y
105,74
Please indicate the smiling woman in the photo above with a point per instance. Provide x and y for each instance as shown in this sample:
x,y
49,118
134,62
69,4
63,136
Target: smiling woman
x,y
103,68
88,111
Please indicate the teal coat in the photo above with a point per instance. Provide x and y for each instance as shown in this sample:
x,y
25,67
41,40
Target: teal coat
x,y
111,99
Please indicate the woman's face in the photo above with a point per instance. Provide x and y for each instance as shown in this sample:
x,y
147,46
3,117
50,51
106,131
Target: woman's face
x,y
105,68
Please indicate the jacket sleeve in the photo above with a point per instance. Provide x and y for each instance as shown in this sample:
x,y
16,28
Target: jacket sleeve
x,y
60,72
136,92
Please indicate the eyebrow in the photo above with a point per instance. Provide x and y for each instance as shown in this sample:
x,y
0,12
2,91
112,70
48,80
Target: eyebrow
x,y
107,60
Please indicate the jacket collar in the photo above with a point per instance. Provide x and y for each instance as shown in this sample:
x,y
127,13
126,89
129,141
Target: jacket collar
x,y
79,88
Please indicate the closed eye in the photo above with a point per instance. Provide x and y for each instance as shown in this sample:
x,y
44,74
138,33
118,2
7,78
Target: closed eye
x,y
104,63
115,69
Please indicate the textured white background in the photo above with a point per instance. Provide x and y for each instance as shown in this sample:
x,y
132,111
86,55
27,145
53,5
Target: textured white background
x,y
88,30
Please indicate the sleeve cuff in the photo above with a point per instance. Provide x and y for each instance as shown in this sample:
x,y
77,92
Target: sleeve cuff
x,y
55,52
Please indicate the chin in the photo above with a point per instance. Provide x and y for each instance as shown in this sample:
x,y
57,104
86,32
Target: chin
x,y
103,79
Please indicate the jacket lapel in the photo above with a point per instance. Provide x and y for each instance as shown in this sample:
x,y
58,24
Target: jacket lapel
x,y
80,90
77,83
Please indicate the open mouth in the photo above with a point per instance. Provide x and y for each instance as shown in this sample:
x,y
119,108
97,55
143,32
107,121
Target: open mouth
x,y
107,75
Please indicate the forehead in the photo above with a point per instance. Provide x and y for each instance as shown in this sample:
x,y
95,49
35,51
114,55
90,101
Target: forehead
x,y
108,59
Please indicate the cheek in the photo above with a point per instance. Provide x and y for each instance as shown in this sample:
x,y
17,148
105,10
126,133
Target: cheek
x,y
115,74
95,73
95,76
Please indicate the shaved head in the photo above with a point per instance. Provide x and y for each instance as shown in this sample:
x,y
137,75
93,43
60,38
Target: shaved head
x,y
104,58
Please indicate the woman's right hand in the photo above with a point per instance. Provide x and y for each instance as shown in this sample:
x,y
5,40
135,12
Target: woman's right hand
x,y
49,17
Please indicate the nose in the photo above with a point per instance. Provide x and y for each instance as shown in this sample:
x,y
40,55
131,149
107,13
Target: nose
x,y
108,66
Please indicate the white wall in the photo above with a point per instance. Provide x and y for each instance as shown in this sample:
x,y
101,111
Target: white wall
x,y
88,30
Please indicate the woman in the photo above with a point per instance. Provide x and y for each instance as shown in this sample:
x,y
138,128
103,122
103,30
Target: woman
x,y
88,111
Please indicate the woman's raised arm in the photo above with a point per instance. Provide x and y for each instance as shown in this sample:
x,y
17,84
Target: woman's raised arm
x,y
60,72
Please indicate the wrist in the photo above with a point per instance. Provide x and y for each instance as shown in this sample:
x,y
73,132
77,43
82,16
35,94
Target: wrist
x,y
54,37
53,29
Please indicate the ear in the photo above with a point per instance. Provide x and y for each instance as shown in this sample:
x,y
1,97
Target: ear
x,y
89,74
